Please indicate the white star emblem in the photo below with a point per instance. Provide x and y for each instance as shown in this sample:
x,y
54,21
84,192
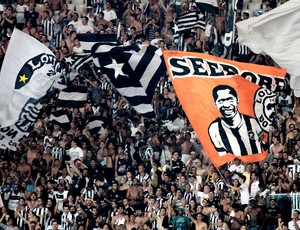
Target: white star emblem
x,y
175,28
200,15
117,67
69,59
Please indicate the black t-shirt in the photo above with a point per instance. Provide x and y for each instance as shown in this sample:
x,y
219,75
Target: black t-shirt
x,y
272,214
81,220
113,195
32,16
177,166
7,24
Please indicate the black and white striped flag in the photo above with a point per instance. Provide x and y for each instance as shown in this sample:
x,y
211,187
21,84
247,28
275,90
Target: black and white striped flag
x,y
72,97
191,20
78,60
62,117
134,70
87,41
96,124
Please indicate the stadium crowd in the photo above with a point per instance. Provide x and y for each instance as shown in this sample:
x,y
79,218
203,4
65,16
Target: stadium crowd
x,y
138,173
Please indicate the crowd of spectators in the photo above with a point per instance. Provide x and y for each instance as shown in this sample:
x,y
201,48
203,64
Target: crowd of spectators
x,y
137,173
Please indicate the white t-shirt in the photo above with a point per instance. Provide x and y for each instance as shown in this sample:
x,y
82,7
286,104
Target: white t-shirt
x,y
20,13
109,15
291,225
83,29
254,188
75,153
60,199
244,190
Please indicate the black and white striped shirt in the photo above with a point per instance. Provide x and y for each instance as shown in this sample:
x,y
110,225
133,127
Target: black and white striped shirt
x,y
66,218
57,152
48,27
24,213
41,212
188,196
213,219
143,177
88,192
240,141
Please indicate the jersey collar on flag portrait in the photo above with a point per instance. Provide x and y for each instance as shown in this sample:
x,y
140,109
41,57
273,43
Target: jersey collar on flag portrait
x,y
195,94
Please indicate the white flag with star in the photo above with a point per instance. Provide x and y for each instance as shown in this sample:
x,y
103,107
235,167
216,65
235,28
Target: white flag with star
x,y
28,72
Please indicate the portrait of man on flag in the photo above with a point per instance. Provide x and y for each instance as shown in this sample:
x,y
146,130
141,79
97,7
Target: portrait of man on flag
x,y
229,109
233,132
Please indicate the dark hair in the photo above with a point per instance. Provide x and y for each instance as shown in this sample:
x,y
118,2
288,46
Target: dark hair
x,y
223,87
243,178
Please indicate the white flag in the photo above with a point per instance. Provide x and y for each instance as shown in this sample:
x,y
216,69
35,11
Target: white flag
x,y
28,72
277,34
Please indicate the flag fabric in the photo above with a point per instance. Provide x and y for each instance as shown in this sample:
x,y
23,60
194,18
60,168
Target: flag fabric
x,y
228,39
208,6
11,135
134,70
88,40
26,78
276,33
61,117
78,60
191,20
96,124
230,114
72,97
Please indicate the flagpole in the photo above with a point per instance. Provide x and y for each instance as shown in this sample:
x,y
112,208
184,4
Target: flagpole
x,y
214,24
119,31
234,10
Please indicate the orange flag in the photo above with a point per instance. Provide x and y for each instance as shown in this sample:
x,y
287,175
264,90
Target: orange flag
x,y
229,113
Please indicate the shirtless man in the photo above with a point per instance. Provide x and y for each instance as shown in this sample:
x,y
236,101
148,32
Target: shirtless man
x,y
131,223
24,169
153,10
276,148
255,213
134,193
237,217
101,20
206,210
186,147
140,218
41,14
221,23
56,6
168,12
199,223
135,23
120,219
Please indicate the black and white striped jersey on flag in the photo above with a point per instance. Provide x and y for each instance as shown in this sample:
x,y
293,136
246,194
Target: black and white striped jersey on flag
x,y
134,70
72,97
61,117
96,124
191,20
241,141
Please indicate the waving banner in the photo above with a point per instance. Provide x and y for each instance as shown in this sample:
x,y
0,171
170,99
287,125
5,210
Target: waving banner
x,y
28,73
229,113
